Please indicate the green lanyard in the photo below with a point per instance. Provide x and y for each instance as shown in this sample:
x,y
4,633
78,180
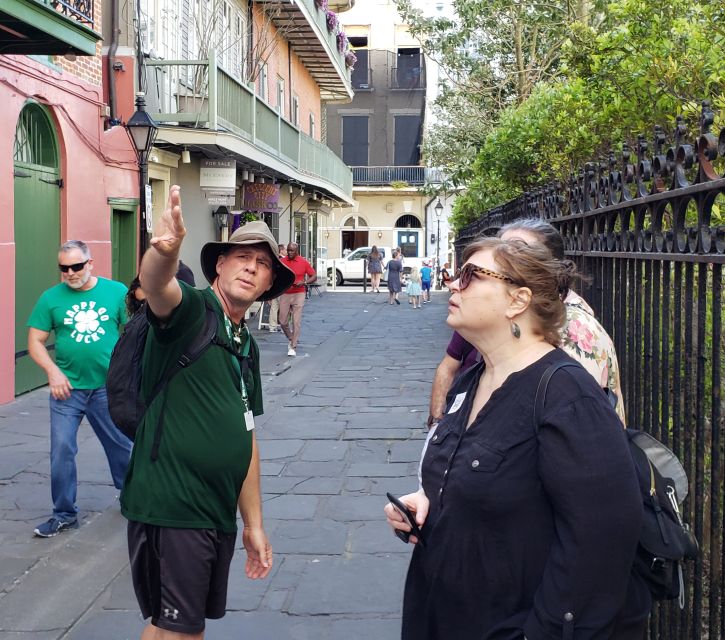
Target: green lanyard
x,y
236,339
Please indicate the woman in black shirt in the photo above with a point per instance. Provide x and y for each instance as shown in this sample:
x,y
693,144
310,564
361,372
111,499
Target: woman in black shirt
x,y
529,533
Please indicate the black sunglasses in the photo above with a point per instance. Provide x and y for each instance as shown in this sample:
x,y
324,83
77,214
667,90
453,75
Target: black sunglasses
x,y
75,268
467,271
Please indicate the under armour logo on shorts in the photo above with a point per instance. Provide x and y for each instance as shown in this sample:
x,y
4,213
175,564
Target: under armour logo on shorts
x,y
171,613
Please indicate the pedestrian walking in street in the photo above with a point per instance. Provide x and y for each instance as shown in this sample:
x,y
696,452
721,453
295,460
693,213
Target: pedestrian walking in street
x,y
490,477
274,304
394,269
85,313
414,288
445,275
375,268
425,277
195,458
293,300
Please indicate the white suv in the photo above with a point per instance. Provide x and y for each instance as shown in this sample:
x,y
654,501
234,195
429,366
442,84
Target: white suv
x,y
351,267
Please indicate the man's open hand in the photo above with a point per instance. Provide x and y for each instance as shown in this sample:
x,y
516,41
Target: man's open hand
x,y
170,230
259,552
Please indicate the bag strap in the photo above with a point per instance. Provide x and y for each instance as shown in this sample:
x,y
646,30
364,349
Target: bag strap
x,y
540,398
190,355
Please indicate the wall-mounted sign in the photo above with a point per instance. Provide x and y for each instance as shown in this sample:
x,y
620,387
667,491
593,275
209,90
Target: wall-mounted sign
x,y
216,199
219,176
148,195
261,197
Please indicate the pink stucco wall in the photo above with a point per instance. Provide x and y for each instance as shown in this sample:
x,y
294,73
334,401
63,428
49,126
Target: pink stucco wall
x,y
95,165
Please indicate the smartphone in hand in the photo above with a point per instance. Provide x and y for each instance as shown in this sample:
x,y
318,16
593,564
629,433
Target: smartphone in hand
x,y
407,515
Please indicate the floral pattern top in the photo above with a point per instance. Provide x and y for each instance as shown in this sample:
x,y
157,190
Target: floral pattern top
x,y
584,339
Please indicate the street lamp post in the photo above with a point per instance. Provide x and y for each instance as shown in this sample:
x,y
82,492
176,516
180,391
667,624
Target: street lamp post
x,y
142,130
439,210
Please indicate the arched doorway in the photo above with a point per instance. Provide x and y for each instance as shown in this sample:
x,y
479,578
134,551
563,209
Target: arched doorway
x,y
352,235
407,229
37,229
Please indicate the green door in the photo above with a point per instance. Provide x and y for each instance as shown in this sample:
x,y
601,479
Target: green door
x,y
123,243
37,230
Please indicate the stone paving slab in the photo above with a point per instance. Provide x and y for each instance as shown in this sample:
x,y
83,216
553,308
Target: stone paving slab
x,y
342,425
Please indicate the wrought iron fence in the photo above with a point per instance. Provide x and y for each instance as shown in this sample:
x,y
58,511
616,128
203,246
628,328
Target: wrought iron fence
x,y
649,233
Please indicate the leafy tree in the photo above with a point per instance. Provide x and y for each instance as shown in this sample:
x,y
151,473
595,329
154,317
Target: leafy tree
x,y
647,62
493,53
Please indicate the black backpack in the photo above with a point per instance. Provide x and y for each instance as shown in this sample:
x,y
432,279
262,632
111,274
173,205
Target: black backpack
x,y
664,540
123,384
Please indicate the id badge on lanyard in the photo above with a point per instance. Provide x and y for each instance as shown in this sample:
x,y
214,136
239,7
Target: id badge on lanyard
x,y
236,340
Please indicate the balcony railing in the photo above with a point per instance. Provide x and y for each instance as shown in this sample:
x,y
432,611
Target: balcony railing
x,y
382,176
79,10
197,93
408,77
305,28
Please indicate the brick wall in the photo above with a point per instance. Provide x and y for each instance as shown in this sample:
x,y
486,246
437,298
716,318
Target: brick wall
x,y
307,90
302,83
88,68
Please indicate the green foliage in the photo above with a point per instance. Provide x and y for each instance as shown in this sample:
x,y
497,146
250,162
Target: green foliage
x,y
493,53
647,62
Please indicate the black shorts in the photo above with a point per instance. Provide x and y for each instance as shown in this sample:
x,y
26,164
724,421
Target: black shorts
x,y
180,575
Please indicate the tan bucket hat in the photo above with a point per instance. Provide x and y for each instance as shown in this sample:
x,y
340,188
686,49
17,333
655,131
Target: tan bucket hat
x,y
255,232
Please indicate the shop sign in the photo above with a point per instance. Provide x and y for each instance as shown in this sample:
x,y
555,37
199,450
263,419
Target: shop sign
x,y
261,197
218,176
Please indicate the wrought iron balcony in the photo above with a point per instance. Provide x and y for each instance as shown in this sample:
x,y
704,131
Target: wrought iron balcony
x,y
78,10
408,77
384,176
47,27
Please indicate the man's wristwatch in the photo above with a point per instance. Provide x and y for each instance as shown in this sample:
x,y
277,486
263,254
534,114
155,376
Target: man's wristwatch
x,y
433,420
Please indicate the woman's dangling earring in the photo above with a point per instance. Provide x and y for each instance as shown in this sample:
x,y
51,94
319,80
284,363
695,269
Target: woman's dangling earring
x,y
515,330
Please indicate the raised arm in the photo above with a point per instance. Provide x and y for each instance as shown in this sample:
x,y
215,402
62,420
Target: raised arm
x,y
161,261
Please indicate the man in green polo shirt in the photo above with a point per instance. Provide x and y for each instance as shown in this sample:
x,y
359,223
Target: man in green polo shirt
x,y
181,503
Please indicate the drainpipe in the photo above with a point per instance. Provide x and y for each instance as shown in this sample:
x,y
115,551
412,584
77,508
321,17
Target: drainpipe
x,y
289,75
111,62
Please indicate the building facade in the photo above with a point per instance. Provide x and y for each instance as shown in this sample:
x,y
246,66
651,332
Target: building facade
x,y
237,89
65,171
379,135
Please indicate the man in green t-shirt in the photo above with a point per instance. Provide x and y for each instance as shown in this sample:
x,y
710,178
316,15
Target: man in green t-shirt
x,y
195,459
85,313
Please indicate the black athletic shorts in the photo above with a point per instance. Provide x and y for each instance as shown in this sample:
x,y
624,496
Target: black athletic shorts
x,y
180,575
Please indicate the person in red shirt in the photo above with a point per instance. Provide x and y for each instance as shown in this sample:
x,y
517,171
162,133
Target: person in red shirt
x,y
294,298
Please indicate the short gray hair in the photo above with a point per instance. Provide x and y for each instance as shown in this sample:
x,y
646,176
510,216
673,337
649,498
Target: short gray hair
x,y
76,244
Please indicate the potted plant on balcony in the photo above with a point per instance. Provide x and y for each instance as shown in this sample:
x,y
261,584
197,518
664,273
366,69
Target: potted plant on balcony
x,y
350,59
331,18
342,43
321,5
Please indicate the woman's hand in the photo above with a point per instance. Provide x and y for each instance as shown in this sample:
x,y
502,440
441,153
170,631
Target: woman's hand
x,y
418,503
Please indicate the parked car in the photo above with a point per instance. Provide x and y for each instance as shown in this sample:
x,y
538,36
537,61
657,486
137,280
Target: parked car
x,y
350,268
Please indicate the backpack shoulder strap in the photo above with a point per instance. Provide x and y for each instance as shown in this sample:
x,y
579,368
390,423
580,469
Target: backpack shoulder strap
x,y
192,353
540,398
